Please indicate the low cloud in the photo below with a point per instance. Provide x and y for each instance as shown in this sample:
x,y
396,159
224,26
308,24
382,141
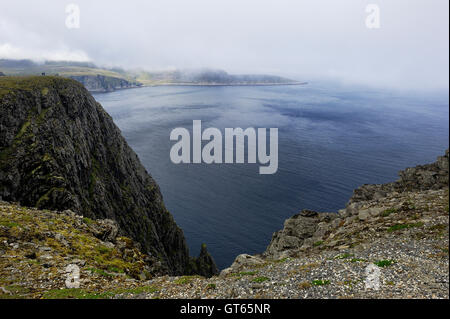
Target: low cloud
x,y
8,51
304,40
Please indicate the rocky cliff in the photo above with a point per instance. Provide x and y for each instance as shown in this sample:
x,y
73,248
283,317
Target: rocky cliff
x,y
400,228
101,83
309,228
60,150
421,177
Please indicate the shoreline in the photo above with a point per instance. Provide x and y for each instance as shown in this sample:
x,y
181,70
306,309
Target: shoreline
x,y
223,84
199,85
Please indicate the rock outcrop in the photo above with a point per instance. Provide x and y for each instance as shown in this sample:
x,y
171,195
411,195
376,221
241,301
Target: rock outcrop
x,y
308,228
298,230
60,150
421,177
204,264
41,244
242,262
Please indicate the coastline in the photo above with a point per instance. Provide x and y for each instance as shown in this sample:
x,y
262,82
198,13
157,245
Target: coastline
x,y
198,85
224,84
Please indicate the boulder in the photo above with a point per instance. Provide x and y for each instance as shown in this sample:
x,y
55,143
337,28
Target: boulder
x,y
242,262
105,229
296,230
364,214
421,177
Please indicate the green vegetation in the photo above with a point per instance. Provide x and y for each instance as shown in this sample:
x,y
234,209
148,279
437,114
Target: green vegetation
x,y
320,282
23,129
100,272
404,226
15,292
8,223
211,286
282,260
64,69
84,73
260,279
185,280
87,221
389,211
29,225
79,293
384,263
318,243
104,250
115,269
76,293
354,260
46,197
12,84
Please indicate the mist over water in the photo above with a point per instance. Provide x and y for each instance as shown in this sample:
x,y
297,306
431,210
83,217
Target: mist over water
x,y
331,140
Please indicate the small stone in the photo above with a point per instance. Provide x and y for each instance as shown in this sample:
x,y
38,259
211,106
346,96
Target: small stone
x,y
376,211
45,257
336,222
108,244
363,214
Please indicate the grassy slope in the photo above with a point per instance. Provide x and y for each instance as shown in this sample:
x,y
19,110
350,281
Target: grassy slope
x,y
64,70
36,244
145,77
29,83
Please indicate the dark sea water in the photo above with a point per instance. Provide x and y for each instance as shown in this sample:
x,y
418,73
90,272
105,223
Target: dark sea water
x,y
331,140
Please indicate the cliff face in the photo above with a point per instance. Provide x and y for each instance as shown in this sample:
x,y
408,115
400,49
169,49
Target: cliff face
x,y
101,83
60,150
94,78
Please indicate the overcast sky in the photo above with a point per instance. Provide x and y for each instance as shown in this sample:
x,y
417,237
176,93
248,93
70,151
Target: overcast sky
x,y
303,39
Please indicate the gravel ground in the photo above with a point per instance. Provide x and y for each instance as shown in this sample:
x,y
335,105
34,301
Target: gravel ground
x,y
413,261
406,235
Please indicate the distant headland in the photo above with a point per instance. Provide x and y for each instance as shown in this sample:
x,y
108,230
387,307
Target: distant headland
x,y
98,79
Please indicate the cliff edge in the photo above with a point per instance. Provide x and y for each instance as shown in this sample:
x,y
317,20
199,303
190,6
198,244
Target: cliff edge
x,y
59,150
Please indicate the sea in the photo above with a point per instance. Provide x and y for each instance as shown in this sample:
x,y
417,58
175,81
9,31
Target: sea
x,y
332,138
